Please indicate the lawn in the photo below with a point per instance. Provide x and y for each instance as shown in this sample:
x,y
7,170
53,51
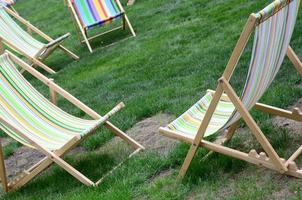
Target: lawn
x,y
181,49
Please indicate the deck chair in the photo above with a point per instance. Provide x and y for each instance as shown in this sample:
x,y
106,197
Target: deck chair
x,y
12,35
29,118
221,110
89,13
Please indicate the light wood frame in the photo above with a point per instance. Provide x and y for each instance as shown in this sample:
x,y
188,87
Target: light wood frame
x,y
45,51
82,31
269,158
130,2
56,156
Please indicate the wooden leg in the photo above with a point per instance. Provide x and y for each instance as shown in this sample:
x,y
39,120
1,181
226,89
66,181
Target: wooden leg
x,y
1,47
77,21
52,94
123,135
2,170
87,42
124,22
231,130
202,129
129,25
69,53
226,137
253,126
42,65
130,2
294,59
43,164
294,156
75,173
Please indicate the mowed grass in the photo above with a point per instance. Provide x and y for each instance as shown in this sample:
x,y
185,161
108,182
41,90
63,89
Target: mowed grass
x,y
181,49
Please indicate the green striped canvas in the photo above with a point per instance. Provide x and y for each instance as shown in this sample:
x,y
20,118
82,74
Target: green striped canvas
x,y
188,123
35,116
15,35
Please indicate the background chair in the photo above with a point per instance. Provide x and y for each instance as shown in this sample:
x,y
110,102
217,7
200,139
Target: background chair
x,y
22,41
88,14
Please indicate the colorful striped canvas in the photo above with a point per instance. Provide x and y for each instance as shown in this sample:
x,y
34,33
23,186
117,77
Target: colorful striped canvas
x,y
271,42
36,117
14,34
96,12
188,123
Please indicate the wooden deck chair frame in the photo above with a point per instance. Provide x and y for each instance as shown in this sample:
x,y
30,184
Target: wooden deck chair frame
x,y
36,59
130,2
224,90
56,156
82,31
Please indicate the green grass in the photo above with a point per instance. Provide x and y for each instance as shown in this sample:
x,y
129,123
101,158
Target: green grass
x,y
181,49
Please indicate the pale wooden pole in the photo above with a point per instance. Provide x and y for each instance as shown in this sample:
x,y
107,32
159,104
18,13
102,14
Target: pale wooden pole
x,y
253,125
126,18
74,15
244,37
2,170
294,59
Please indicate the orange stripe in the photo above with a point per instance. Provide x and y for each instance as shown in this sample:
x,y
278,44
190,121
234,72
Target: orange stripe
x,y
103,9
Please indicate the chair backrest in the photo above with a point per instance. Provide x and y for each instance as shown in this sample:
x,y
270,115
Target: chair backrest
x,y
271,41
11,32
96,12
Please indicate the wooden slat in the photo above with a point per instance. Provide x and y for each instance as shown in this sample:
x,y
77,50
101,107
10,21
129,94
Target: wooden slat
x,y
253,126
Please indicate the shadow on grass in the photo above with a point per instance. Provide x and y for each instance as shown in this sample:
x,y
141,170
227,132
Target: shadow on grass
x,y
56,179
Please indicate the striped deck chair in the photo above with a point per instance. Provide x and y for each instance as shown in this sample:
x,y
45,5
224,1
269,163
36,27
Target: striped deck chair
x,y
91,13
221,110
29,118
12,35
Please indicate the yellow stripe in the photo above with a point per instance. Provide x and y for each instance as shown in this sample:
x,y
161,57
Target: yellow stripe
x,y
99,9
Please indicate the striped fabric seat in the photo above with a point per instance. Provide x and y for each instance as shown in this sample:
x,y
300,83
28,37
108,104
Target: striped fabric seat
x,y
271,42
188,123
14,34
96,12
36,117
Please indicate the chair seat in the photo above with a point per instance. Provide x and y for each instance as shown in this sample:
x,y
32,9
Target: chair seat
x,y
31,113
188,123
96,12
